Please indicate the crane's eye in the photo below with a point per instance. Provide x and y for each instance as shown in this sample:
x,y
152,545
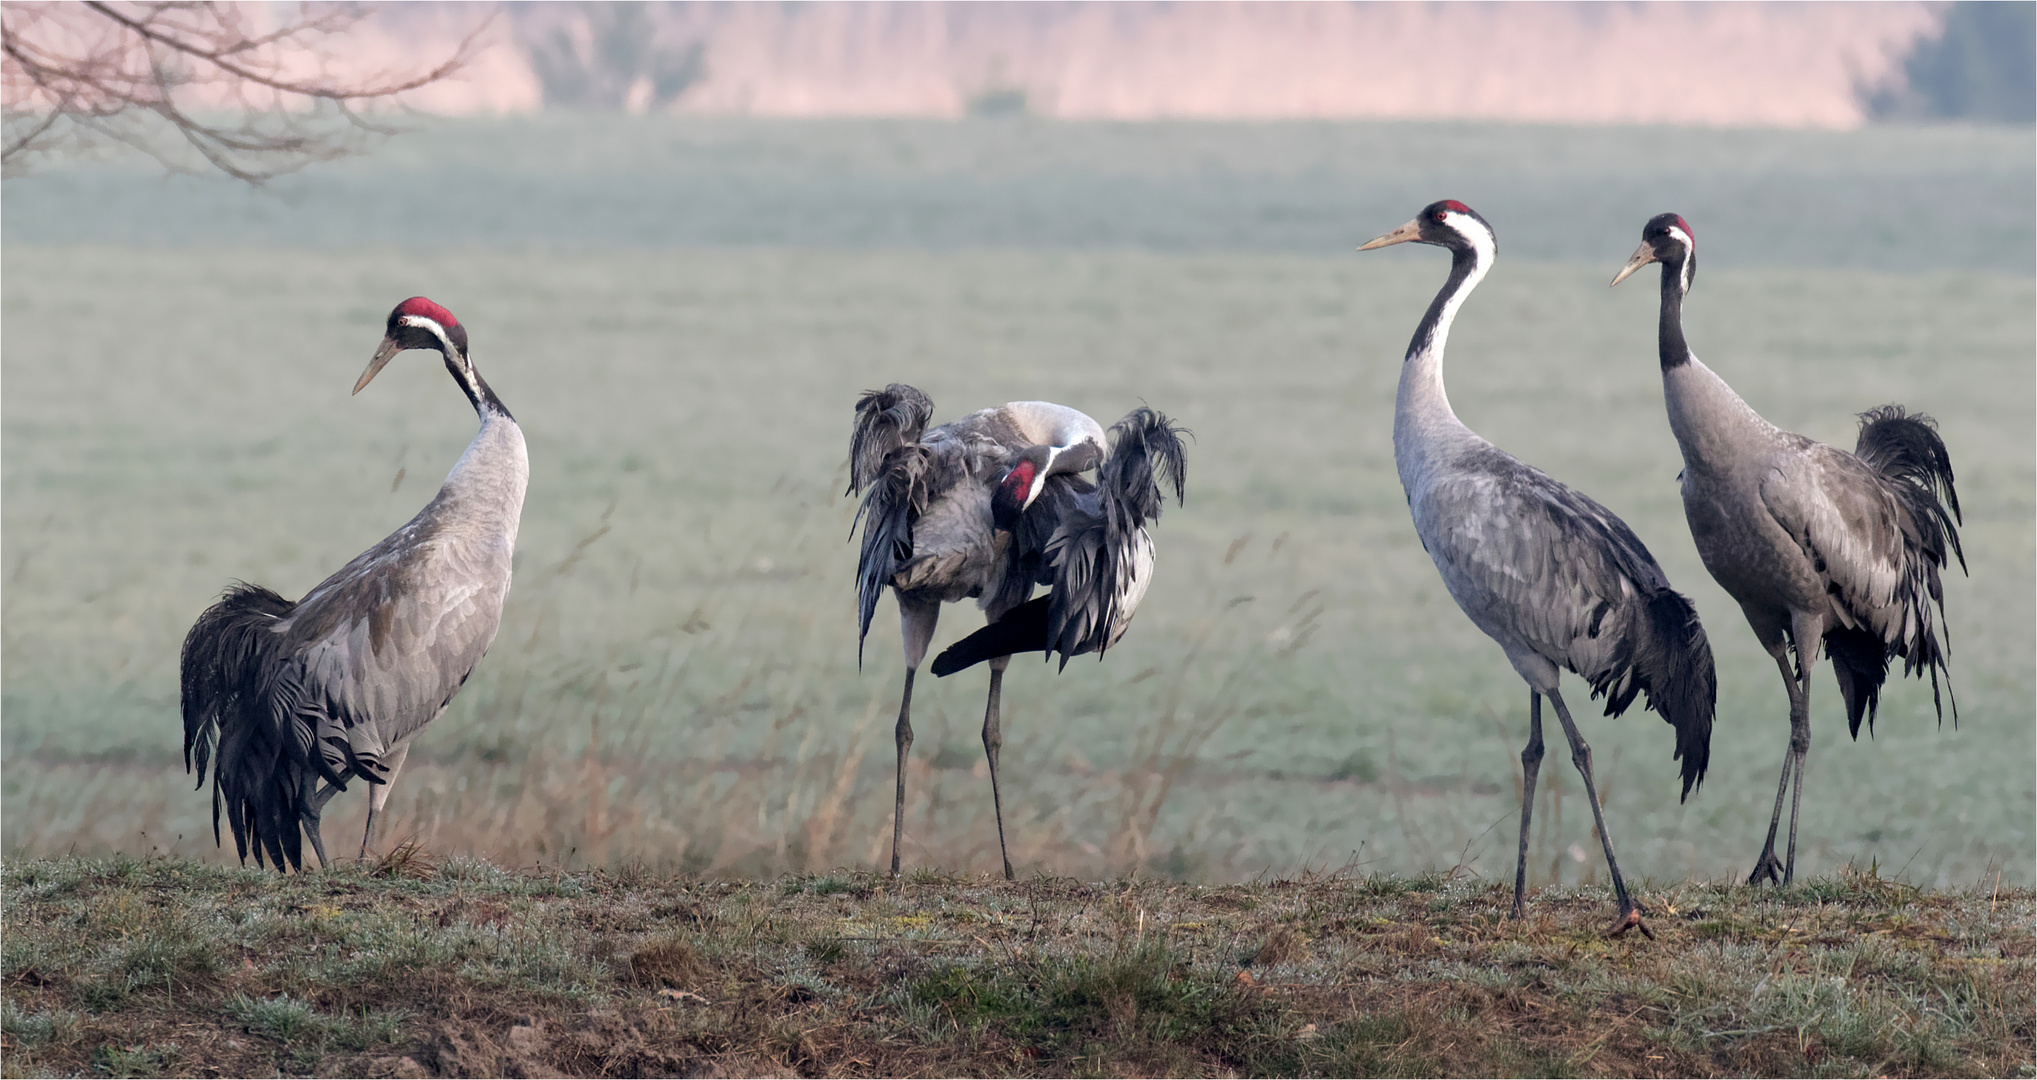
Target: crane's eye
x,y
1442,215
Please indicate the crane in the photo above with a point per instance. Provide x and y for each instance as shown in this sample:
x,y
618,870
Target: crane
x,y
286,702
988,506
1816,544
1556,579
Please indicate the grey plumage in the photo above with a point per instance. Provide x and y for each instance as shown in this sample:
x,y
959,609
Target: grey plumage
x,y
1557,580
279,696
1817,545
972,509
1098,556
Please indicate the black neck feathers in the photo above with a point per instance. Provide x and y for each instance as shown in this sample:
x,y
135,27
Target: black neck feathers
x,y
1675,352
1463,260
479,393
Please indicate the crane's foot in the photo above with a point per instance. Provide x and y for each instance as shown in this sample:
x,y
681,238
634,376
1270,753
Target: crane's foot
x,y
1631,921
1768,868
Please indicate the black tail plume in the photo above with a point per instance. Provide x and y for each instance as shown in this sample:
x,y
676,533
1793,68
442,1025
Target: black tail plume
x,y
1668,657
897,496
1905,448
228,660
1860,663
1145,454
1682,685
1023,629
886,419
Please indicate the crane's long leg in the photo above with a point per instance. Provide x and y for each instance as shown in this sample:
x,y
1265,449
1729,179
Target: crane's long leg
x,y
1768,867
378,795
1580,755
1812,631
916,619
1531,766
993,739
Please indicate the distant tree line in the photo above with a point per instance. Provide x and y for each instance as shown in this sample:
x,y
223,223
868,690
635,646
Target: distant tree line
x,y
609,57
1982,66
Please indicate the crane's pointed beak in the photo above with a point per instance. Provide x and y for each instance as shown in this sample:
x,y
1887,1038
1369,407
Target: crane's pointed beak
x,y
1643,255
1410,231
389,349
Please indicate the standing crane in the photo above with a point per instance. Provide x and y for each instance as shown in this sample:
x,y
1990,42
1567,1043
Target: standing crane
x,y
989,506
1553,577
1817,545
279,696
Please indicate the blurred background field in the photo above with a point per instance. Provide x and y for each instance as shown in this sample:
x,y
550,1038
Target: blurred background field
x,y
680,311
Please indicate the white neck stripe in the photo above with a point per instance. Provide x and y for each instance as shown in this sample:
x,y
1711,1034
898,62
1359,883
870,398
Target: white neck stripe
x,y
1689,249
426,323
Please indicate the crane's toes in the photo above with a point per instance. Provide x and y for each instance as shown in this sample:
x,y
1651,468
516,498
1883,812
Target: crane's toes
x,y
1631,921
1768,869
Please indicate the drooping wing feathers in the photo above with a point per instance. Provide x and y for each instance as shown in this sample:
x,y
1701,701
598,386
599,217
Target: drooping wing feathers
x,y
1103,558
1877,533
224,669
897,494
1532,560
886,420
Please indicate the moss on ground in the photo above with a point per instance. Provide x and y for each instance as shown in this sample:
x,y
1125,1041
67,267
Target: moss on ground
x,y
423,967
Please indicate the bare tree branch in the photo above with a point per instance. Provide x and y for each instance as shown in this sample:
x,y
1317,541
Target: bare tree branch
x,y
174,79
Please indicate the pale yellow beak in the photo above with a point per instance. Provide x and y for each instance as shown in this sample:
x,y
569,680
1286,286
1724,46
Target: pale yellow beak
x,y
1410,231
1643,255
382,355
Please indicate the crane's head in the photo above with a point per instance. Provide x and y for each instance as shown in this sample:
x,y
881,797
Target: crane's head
x,y
1446,223
418,323
1020,486
1669,240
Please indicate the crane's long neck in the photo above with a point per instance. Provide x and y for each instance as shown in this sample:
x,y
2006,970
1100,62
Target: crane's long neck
x,y
1674,350
483,494
479,393
1717,432
1423,422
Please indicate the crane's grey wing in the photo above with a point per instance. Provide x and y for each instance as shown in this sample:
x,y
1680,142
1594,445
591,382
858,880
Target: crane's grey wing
x,y
956,550
1528,557
1857,534
1544,569
383,645
926,520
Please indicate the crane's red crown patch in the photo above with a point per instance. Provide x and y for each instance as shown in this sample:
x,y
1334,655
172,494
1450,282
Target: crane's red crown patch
x,y
419,306
1454,205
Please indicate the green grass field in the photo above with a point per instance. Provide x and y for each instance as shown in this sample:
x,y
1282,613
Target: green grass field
x,y
676,682
421,967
